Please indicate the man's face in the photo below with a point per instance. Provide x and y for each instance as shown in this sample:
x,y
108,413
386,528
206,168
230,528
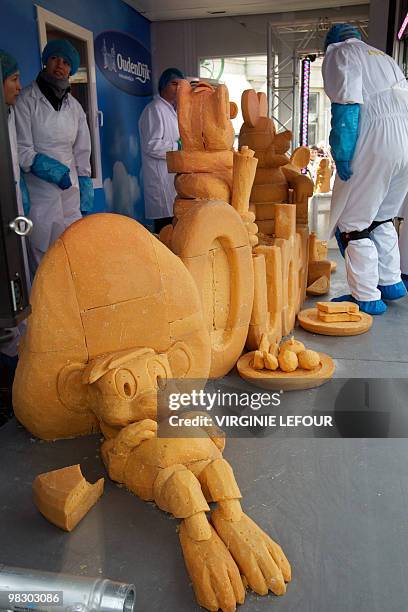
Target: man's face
x,y
169,93
12,88
58,67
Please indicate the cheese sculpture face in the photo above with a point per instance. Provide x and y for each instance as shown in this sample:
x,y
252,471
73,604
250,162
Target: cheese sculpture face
x,y
113,312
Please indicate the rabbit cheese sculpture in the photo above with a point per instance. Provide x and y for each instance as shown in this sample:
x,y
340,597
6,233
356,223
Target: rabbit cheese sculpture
x,y
214,232
115,315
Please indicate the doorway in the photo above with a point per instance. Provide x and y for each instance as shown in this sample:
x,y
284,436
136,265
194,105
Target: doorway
x,y
83,83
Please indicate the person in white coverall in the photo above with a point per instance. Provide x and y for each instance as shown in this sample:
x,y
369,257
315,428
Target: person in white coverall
x,y
54,148
159,133
369,137
12,88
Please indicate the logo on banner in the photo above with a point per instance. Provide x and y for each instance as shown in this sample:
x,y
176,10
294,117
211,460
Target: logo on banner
x,y
124,62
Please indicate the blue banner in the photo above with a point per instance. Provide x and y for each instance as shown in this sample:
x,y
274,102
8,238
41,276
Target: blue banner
x,y
124,62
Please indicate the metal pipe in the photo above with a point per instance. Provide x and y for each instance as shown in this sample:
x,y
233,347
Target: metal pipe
x,y
22,589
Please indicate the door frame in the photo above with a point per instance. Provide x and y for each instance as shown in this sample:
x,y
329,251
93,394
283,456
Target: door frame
x,y
45,18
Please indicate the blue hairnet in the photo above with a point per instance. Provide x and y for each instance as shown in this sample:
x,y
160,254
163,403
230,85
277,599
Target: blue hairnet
x,y
8,63
169,75
61,48
340,32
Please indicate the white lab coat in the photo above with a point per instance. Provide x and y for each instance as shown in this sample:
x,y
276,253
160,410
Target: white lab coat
x,y
63,135
158,128
14,156
355,72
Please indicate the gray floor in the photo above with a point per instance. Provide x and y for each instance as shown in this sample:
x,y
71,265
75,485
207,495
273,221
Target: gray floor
x,y
337,506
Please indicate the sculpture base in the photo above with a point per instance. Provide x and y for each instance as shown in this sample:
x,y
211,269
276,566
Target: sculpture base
x,y
309,320
288,381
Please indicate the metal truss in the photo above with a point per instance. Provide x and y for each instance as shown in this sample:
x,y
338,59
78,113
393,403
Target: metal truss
x,y
288,43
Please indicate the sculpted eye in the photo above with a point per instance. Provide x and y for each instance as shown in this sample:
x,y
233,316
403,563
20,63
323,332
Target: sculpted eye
x,y
126,384
158,373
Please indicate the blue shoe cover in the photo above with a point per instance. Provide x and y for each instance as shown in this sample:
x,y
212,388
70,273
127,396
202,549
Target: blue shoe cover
x,y
393,292
373,307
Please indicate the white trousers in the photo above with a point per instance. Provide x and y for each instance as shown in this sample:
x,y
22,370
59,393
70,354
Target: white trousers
x,y
52,211
373,261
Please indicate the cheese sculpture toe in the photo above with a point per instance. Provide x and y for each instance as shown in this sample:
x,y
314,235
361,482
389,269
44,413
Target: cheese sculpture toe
x,y
288,361
308,360
292,345
64,496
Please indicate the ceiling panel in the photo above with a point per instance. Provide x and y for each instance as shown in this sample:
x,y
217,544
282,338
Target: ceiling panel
x,y
164,10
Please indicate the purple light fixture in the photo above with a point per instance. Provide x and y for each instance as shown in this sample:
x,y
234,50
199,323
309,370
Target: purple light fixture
x,y
304,102
403,28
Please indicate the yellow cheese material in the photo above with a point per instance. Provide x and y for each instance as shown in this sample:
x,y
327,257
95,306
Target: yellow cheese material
x,y
336,307
263,103
321,285
64,496
181,162
233,110
308,360
204,186
288,361
270,361
339,317
292,345
264,343
250,107
258,361
300,157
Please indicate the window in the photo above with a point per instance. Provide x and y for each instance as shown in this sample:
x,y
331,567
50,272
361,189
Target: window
x,y
313,117
83,83
238,74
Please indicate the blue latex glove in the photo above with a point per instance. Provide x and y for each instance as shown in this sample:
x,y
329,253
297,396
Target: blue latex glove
x,y
25,196
65,182
86,193
343,136
51,170
343,170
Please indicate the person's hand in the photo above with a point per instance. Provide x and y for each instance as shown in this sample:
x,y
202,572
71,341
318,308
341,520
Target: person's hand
x,y
65,181
343,170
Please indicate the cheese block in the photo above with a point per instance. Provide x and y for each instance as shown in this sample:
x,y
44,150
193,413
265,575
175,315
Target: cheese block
x,y
320,286
64,496
339,317
182,162
336,307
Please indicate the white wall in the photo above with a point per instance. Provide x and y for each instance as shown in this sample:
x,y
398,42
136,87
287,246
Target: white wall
x,y
182,43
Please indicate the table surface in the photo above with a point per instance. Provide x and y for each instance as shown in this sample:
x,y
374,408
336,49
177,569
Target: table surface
x,y
337,506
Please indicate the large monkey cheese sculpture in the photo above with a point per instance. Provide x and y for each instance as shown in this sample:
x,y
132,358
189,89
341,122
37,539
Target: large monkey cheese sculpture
x,y
114,315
